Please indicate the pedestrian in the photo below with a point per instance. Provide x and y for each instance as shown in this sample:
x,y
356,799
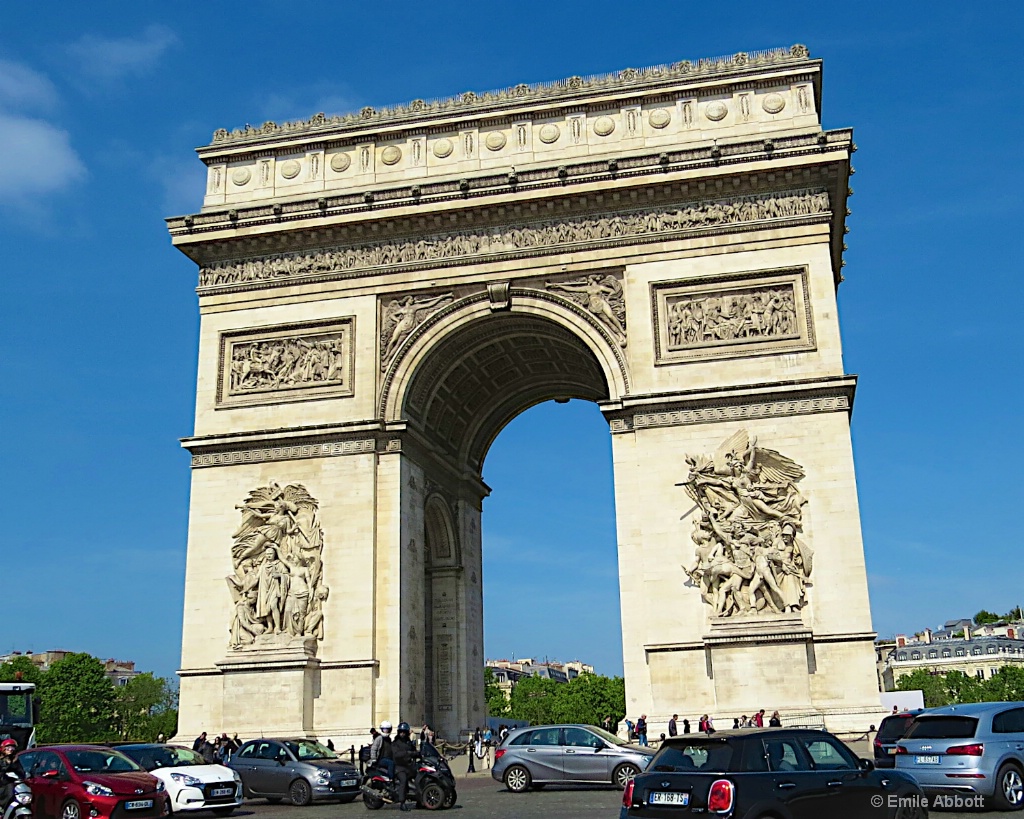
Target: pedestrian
x,y
672,729
641,730
222,750
661,739
208,752
330,744
686,726
895,709
607,724
161,738
502,733
198,744
759,719
488,739
775,721
630,733
744,722
735,723
236,743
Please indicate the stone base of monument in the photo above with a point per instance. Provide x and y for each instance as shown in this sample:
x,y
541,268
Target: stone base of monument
x,y
269,687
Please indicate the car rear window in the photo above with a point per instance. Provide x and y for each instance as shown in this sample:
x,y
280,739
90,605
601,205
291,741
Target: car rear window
x,y
701,755
893,728
942,728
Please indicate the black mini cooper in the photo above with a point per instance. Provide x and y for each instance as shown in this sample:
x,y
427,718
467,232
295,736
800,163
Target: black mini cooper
x,y
778,772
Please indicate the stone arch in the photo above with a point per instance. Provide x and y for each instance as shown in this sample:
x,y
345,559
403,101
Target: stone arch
x,y
469,370
441,539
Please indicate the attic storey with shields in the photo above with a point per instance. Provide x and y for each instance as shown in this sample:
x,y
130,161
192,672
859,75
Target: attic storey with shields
x,y
382,292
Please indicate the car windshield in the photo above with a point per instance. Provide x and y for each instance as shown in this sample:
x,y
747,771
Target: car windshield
x,y
893,728
304,749
101,761
702,755
152,757
15,709
606,736
942,728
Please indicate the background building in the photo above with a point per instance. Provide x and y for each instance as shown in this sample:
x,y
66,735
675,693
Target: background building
x,y
118,671
506,673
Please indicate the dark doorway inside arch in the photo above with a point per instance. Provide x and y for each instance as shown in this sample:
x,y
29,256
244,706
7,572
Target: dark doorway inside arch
x,y
550,579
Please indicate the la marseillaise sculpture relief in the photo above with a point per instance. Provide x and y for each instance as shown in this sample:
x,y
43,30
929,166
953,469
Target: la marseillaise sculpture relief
x,y
382,292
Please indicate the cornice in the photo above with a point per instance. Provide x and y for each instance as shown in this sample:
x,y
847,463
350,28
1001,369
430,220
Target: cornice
x,y
576,90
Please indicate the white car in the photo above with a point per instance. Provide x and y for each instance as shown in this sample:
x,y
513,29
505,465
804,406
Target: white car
x,y
191,782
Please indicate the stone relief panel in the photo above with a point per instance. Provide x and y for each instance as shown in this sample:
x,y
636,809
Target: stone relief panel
x,y
277,586
748,314
286,363
399,317
601,295
748,558
543,236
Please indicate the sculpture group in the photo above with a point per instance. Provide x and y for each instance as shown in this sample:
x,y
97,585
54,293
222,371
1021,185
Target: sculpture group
x,y
288,362
277,586
749,559
768,312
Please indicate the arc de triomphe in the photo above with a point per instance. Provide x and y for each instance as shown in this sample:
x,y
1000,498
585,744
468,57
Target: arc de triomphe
x,y
381,292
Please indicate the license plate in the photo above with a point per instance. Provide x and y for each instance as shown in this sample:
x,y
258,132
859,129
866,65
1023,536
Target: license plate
x,y
927,759
222,792
139,804
891,752
349,783
663,798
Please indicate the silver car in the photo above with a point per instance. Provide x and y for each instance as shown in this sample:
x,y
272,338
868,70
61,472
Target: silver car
x,y
544,754
300,770
973,751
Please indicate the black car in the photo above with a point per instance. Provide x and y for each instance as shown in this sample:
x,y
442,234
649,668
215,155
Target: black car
x,y
789,773
890,731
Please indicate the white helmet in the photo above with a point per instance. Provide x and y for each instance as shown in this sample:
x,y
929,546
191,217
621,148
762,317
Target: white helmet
x,y
385,727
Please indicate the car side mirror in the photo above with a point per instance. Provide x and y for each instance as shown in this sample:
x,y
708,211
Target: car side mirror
x,y
51,774
866,765
598,748
282,760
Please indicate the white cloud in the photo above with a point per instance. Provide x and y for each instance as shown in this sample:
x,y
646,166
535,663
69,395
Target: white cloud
x,y
23,88
110,59
36,158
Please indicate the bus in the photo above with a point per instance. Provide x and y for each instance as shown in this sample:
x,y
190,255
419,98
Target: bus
x,y
19,713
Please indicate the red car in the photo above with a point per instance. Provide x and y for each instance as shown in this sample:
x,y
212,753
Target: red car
x,y
90,782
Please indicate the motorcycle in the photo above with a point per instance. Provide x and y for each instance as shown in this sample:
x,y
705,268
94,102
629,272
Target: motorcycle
x,y
432,786
20,806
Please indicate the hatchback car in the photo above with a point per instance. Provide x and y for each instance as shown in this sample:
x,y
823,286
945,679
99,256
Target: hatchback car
x,y
546,754
297,769
191,782
974,749
759,772
891,729
75,781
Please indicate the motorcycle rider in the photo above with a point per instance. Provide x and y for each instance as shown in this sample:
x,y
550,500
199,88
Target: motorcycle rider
x,y
381,752
403,750
8,748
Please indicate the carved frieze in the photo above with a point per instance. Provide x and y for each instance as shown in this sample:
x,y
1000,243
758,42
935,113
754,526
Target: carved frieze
x,y
277,586
399,317
748,515
745,314
286,363
544,236
601,295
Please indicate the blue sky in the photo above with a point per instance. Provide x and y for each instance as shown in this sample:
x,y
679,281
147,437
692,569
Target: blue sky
x,y
101,105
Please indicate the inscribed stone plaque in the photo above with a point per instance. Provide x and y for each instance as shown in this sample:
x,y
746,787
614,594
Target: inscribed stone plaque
x,y
293,362
748,314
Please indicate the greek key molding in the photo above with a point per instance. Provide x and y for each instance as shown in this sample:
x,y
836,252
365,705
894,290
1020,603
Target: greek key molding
x,y
284,453
731,412
554,235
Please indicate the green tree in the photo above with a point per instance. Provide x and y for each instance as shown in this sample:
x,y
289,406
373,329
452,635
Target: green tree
x,y
961,688
932,685
534,699
29,671
1006,685
77,701
589,698
497,702
984,616
140,706
1014,615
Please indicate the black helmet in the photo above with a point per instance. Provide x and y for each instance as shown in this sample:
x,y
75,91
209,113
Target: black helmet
x,y
403,727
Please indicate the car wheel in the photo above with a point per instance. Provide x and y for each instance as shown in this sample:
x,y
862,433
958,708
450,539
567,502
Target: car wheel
x,y
452,797
1009,793
70,810
300,793
913,807
622,775
372,802
224,811
517,779
432,796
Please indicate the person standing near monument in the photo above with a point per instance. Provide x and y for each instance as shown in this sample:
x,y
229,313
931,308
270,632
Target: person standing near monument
x,y
672,729
758,719
641,730
775,721
686,726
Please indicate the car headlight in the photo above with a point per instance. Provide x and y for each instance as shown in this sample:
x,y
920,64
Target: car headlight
x,y
93,789
182,779
323,774
23,798
160,786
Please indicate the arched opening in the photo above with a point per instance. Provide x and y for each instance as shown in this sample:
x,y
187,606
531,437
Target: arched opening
x,y
464,388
